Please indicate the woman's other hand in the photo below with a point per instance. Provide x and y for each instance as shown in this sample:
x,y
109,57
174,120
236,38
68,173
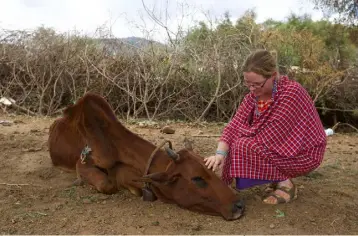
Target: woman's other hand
x,y
214,162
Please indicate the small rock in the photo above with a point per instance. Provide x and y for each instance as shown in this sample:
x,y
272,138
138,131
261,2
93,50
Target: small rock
x,y
103,197
197,227
86,201
272,226
155,223
57,206
167,130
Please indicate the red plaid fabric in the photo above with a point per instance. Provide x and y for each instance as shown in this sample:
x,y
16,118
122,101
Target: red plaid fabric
x,y
284,141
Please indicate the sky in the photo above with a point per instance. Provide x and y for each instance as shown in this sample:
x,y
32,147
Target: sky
x,y
125,18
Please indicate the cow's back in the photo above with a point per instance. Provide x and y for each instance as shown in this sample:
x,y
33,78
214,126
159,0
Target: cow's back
x,y
65,144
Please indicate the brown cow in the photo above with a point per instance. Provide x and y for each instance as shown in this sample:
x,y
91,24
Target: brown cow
x,y
119,158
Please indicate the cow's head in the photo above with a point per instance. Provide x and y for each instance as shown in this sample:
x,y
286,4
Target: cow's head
x,y
189,183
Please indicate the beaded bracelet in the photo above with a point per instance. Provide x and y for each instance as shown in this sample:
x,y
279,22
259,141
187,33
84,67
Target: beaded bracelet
x,y
221,153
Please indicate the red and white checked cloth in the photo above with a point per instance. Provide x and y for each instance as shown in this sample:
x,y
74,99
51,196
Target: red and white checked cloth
x,y
285,141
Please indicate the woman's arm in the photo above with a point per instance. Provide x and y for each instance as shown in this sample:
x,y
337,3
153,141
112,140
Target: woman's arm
x,y
230,133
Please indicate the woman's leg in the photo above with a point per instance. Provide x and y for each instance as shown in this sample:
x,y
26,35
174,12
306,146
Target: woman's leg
x,y
243,183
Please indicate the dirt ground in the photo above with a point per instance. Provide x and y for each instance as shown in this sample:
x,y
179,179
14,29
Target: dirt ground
x,y
36,198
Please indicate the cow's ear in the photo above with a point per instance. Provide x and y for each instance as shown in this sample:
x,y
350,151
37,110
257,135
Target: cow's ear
x,y
159,178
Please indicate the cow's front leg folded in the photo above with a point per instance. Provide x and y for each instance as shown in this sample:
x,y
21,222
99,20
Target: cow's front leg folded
x,y
89,173
125,177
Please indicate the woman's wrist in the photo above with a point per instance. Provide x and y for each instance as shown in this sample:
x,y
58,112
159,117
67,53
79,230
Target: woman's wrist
x,y
221,153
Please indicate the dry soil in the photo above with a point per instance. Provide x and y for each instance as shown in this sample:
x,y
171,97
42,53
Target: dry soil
x,y
37,198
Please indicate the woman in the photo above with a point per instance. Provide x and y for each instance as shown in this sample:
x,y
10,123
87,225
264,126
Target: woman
x,y
275,135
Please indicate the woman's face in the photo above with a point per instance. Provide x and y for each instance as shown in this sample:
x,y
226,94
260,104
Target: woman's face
x,y
259,85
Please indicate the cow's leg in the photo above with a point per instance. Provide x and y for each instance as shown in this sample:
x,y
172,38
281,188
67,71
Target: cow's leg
x,y
89,173
125,175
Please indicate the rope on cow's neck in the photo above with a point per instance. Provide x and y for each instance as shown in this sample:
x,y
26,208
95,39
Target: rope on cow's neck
x,y
147,192
153,154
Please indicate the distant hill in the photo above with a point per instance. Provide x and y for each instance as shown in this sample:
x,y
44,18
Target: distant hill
x,y
139,42
127,45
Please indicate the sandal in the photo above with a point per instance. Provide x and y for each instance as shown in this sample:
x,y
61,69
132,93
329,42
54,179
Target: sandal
x,y
292,192
270,188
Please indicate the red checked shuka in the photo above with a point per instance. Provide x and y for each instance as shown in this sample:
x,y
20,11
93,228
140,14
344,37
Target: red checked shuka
x,y
277,140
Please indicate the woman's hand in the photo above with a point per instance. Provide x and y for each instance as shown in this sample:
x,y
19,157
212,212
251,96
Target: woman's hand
x,y
215,162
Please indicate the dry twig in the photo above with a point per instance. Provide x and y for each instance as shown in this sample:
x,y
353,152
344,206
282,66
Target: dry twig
x,y
18,185
339,123
207,136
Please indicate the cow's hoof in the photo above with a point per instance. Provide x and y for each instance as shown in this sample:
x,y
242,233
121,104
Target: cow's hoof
x,y
107,187
78,182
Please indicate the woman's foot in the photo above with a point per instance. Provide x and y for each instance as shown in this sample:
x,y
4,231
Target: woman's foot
x,y
284,192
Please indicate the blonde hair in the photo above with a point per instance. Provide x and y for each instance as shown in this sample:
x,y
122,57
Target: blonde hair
x,y
261,62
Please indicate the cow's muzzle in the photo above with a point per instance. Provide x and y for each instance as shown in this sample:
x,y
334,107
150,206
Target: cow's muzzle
x,y
237,210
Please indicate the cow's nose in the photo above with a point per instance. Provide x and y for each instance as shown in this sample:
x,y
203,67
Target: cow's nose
x,y
238,209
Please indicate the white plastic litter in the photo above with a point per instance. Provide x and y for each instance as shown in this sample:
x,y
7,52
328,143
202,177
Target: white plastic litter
x,y
6,122
7,101
329,132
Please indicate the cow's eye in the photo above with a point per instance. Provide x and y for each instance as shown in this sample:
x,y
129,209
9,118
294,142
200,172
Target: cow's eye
x,y
199,182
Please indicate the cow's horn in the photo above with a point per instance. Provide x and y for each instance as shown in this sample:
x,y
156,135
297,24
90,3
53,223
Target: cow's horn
x,y
172,154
